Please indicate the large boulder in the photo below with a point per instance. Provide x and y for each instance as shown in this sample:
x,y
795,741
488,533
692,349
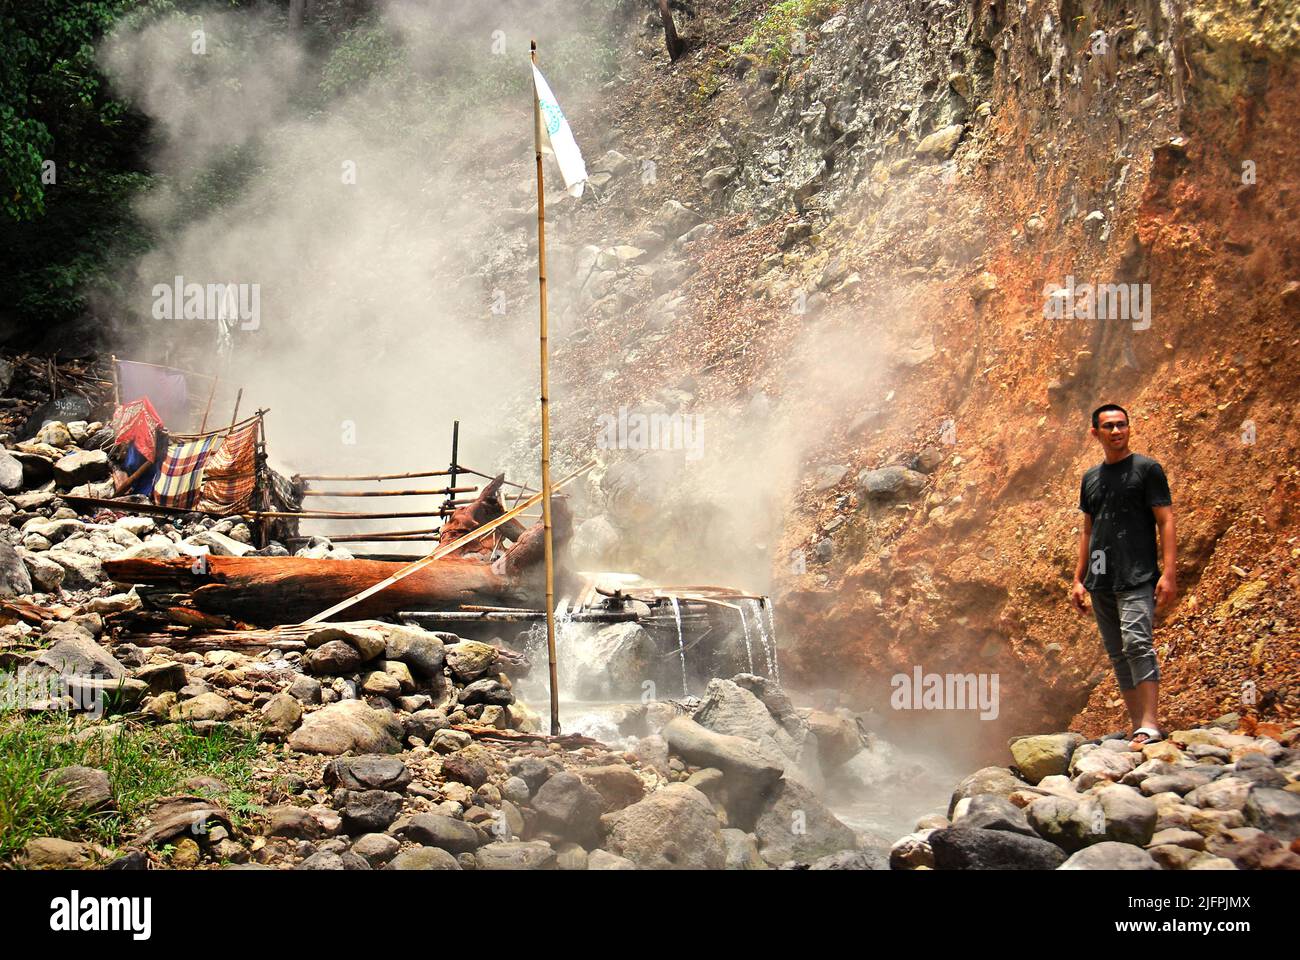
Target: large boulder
x,y
838,739
82,466
748,769
674,828
971,848
74,652
794,825
348,725
615,661
570,808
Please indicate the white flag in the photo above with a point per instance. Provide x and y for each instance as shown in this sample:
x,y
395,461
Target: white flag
x,y
560,137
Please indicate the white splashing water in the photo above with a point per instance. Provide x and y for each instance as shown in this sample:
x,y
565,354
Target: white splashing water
x,y
771,622
749,652
768,653
681,644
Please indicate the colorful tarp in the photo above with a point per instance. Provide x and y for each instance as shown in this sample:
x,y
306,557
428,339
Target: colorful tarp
x,y
166,389
231,473
180,478
136,423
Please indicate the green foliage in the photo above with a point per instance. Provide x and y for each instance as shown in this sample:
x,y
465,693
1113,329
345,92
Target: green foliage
x,y
773,36
142,764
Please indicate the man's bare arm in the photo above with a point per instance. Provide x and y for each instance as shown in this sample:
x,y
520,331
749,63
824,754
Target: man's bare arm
x,y
1167,585
1079,593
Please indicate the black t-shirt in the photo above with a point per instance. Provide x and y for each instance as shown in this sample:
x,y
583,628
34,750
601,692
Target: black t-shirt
x,y
1119,497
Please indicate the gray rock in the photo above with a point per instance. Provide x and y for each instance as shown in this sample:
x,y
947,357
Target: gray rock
x,y
11,473
959,848
487,691
1111,855
348,725
281,714
890,483
85,788
334,657
322,860
469,660
990,812
206,706
82,466
1179,780
80,572
1226,793
1276,812
749,769
604,860
742,850
794,825
376,849
437,830
367,772
673,219
293,822
997,781
305,689
75,653
570,808
515,789
419,649
674,828
618,659
369,811
424,858
15,579
516,855
46,575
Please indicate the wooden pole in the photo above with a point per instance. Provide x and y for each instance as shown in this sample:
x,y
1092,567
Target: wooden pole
x,y
234,417
208,409
117,389
548,547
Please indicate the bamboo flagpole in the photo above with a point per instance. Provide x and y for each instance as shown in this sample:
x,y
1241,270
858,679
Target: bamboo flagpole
x,y
548,546
574,173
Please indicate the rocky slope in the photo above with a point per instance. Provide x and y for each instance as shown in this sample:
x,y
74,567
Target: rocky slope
x,y
877,227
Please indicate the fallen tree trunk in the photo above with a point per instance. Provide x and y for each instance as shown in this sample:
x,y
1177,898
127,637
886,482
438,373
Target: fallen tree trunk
x,y
277,590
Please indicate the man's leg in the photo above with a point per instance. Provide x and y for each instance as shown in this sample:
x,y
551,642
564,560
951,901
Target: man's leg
x,y
1137,625
1106,609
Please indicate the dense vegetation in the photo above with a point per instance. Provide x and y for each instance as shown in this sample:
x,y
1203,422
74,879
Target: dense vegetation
x,y
74,157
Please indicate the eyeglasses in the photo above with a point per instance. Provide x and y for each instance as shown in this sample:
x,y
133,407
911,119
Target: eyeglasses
x,y
1122,425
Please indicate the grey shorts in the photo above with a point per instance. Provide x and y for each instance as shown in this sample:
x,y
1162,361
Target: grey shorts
x,y
1127,621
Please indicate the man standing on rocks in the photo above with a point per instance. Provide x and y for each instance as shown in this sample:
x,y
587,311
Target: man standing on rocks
x,y
1124,500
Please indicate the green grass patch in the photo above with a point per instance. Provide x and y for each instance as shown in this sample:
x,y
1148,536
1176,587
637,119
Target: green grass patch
x,y
143,763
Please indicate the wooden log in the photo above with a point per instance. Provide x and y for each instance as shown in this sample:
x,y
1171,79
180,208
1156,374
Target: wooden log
x,y
278,590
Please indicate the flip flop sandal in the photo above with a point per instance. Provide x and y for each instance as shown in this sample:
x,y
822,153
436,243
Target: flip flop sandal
x,y
1151,734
